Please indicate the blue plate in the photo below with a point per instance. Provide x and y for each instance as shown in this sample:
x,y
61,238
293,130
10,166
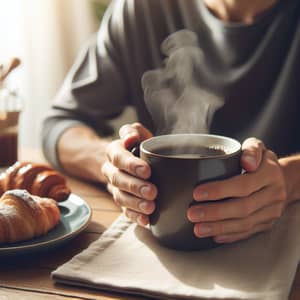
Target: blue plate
x,y
75,216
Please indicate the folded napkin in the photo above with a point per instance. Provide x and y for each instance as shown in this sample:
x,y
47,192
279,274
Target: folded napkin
x,y
127,259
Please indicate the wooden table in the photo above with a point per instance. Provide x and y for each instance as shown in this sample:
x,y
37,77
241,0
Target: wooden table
x,y
29,279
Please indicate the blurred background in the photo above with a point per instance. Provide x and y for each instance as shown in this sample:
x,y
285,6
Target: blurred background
x,y
46,35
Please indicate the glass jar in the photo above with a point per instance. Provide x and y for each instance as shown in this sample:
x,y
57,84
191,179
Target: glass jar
x,y
10,108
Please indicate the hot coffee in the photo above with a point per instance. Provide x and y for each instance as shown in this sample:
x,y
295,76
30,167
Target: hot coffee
x,y
189,151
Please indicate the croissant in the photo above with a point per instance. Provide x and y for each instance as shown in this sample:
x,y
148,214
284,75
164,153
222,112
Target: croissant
x,y
38,179
23,216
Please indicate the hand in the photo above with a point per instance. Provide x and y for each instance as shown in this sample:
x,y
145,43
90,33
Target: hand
x,y
257,198
127,175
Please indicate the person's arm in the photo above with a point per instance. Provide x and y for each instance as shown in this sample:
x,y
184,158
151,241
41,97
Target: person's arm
x,y
94,91
82,153
291,170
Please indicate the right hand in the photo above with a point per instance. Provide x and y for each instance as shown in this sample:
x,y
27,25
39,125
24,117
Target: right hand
x,y
127,175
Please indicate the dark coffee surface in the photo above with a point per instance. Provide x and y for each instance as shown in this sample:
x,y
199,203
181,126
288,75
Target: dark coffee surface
x,y
188,151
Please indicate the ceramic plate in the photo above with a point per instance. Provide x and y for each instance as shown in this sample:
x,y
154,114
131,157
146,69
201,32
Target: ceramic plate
x,y
75,216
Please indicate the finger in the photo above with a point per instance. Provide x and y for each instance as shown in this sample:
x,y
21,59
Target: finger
x,y
128,183
237,186
110,188
126,161
236,208
241,185
138,218
132,134
252,154
230,238
265,215
133,203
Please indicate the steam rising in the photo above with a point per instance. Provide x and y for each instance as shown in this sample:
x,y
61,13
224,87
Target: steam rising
x,y
173,94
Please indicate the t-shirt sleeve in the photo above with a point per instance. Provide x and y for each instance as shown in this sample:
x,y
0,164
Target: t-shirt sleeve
x,y
93,92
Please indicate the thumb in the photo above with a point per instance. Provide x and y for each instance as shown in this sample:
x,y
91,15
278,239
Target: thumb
x,y
133,134
252,154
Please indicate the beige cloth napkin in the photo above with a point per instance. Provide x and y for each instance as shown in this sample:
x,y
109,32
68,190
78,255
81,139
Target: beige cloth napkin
x,y
127,259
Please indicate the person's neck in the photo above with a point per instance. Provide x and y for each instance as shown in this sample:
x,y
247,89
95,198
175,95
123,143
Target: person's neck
x,y
243,11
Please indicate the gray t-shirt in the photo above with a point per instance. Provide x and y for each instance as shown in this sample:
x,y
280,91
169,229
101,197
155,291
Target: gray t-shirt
x,y
173,60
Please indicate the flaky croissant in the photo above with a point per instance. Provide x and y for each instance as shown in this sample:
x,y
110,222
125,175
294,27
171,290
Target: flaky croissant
x,y
23,216
38,179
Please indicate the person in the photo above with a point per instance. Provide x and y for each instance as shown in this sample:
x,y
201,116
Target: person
x,y
250,60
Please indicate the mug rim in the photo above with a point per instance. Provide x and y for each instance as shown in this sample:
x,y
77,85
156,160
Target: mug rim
x,y
235,142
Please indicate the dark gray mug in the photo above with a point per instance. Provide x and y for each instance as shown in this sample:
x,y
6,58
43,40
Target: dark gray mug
x,y
179,162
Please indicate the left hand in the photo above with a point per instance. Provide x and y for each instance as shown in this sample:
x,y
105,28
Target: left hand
x,y
257,198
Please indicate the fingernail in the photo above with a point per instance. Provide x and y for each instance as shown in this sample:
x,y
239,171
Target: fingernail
x,y
145,191
141,171
203,230
250,160
220,239
140,220
144,206
129,135
196,214
201,195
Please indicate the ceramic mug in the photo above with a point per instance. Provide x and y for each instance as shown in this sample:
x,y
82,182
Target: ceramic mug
x,y
180,162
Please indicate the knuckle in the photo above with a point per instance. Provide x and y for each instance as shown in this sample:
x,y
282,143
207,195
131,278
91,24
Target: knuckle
x,y
130,165
124,127
129,214
134,216
110,148
137,125
104,169
117,198
259,143
250,140
114,178
133,187
116,159
253,143
128,129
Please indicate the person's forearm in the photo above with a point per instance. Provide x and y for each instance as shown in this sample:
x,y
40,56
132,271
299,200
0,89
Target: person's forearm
x,y
82,153
291,169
